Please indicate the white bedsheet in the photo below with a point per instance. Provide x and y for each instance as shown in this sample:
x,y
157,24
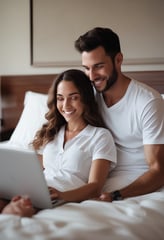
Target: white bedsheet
x,y
139,218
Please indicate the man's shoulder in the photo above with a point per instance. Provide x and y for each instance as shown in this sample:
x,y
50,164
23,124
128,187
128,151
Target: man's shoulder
x,y
144,91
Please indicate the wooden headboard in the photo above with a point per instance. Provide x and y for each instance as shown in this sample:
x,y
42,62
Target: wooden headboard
x,y
13,89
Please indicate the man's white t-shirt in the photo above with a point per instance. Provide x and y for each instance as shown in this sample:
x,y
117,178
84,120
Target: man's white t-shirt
x,y
68,167
136,120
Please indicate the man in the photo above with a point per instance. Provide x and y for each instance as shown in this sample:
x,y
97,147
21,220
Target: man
x,y
133,112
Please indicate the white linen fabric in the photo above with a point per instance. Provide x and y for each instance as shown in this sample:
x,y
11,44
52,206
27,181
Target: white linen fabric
x,y
133,122
32,118
68,167
135,219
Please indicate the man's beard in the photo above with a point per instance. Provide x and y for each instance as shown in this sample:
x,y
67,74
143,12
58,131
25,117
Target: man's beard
x,y
111,80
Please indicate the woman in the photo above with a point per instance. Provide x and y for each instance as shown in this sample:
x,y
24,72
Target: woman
x,y
78,152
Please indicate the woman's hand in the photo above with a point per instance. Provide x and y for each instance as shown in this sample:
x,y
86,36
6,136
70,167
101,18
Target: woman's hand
x,y
21,206
54,193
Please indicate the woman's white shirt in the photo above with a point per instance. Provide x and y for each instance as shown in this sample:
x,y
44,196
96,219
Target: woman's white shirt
x,y
68,166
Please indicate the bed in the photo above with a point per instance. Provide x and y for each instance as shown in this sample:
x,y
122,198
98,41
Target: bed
x,y
23,103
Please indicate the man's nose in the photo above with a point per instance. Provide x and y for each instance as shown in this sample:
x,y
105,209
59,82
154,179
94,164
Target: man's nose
x,y
91,74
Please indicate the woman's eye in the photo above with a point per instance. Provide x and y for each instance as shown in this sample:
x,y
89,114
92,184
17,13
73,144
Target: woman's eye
x,y
73,97
59,99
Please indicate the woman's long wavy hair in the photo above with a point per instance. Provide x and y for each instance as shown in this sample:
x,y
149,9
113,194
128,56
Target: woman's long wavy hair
x,y
55,120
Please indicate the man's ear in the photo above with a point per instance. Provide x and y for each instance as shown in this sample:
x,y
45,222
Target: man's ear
x,y
119,59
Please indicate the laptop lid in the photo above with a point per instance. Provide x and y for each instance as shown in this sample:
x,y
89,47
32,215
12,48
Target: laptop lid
x,y
21,174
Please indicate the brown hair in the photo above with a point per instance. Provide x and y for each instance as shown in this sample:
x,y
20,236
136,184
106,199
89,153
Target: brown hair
x,y
97,37
55,120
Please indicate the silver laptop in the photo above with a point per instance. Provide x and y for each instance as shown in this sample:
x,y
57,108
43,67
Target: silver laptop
x,y
21,174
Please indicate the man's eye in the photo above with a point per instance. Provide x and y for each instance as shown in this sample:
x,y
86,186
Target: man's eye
x,y
86,68
100,66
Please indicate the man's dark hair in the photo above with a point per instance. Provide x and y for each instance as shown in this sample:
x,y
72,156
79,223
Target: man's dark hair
x,y
97,37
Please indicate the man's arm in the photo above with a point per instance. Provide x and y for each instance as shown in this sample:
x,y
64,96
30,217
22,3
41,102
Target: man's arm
x,y
151,180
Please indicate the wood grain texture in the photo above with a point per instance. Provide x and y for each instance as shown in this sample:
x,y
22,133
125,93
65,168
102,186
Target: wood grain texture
x,y
13,89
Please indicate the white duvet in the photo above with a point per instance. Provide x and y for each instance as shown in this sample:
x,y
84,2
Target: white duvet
x,y
139,218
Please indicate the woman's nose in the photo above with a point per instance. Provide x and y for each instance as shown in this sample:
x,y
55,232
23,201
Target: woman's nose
x,y
66,103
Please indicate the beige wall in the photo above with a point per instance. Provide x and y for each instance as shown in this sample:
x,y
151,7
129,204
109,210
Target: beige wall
x,y
15,39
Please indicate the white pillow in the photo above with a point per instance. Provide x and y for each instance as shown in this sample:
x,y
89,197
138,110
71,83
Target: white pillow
x,y
32,118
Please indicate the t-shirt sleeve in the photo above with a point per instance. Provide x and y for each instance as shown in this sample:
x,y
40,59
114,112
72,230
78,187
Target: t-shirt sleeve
x,y
104,147
153,122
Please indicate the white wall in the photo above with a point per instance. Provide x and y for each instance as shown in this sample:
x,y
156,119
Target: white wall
x,y
140,43
15,41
